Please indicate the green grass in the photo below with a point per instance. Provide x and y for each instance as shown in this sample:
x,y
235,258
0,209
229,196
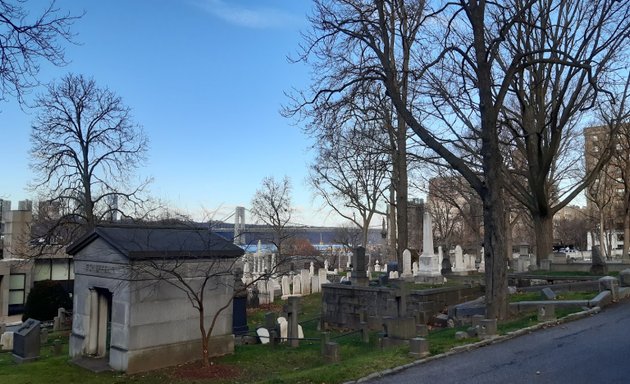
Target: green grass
x,y
259,363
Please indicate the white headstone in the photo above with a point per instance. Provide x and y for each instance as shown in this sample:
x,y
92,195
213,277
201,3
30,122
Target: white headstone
x,y
284,327
263,335
263,295
311,269
305,275
7,341
377,267
323,278
315,286
286,287
414,268
271,290
297,285
406,263
326,265
458,263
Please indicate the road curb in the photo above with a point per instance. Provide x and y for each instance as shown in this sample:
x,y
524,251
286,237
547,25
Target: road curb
x,y
479,344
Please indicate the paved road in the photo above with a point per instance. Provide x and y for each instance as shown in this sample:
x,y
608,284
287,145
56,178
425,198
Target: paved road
x,y
592,350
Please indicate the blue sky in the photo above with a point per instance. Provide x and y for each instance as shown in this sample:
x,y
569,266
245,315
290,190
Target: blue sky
x,y
206,80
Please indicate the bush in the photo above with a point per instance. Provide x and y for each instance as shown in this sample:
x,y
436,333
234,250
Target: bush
x,y
44,299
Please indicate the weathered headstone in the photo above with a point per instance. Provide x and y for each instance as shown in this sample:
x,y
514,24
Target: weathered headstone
x,y
331,353
624,278
284,328
26,341
297,285
305,276
487,328
418,347
359,271
323,276
239,305
611,284
7,341
263,335
407,272
546,312
315,285
286,287
548,294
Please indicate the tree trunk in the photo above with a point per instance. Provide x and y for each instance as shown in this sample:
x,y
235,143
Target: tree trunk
x,y
392,240
205,356
494,254
509,240
626,236
603,248
401,187
543,230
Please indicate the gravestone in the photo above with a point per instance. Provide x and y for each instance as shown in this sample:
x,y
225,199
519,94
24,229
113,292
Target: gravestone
x,y
323,278
305,275
610,283
459,264
315,285
548,294
546,312
487,328
624,278
263,335
418,347
407,272
7,341
239,306
359,271
271,290
286,287
331,352
297,285
284,327
26,341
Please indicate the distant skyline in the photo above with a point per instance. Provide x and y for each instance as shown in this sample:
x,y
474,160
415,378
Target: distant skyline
x,y
206,80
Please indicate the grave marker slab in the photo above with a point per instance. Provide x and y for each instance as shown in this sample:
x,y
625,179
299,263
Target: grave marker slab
x,y
26,341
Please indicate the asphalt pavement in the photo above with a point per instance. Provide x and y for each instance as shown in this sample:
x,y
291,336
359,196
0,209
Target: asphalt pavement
x,y
595,349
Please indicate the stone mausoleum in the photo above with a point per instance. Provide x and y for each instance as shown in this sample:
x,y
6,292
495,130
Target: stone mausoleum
x,y
127,311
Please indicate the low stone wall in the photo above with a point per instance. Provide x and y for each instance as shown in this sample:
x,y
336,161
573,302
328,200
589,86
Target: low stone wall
x,y
346,306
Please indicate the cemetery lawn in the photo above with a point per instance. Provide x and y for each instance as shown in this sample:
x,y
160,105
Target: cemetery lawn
x,y
255,363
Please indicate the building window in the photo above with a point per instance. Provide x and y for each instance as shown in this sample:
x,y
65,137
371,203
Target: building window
x,y
17,293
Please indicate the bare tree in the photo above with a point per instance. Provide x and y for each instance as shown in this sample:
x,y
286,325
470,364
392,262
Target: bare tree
x,y
351,173
271,204
573,69
26,40
461,75
85,149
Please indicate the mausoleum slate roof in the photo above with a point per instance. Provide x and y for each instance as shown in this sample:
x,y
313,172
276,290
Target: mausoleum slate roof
x,y
150,242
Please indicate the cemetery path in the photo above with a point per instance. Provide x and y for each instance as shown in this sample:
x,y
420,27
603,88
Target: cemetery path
x,y
591,350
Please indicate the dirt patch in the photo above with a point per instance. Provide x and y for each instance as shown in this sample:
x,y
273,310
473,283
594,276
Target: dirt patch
x,y
214,371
